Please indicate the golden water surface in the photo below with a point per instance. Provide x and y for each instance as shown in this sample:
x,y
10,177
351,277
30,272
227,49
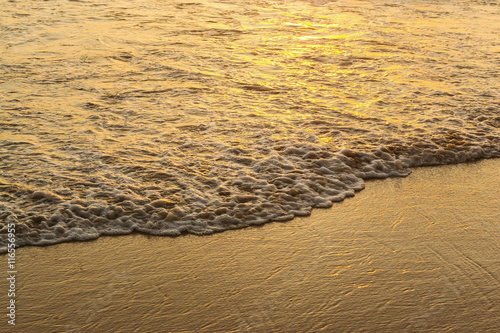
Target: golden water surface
x,y
171,116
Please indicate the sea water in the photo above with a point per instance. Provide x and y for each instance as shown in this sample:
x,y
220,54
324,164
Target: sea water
x,y
170,116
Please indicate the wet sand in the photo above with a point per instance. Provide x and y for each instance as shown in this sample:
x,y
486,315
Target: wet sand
x,y
415,254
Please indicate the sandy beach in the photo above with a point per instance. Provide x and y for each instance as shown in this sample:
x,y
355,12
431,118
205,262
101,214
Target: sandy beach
x,y
415,254
181,166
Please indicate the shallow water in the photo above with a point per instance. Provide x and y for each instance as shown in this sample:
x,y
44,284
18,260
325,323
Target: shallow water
x,y
168,116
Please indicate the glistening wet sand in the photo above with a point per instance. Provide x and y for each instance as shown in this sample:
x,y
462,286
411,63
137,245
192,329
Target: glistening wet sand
x,y
404,255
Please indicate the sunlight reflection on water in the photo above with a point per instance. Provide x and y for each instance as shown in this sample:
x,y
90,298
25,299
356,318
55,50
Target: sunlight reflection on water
x,y
169,117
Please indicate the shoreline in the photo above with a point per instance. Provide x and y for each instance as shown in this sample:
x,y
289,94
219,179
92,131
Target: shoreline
x,y
118,233
405,254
